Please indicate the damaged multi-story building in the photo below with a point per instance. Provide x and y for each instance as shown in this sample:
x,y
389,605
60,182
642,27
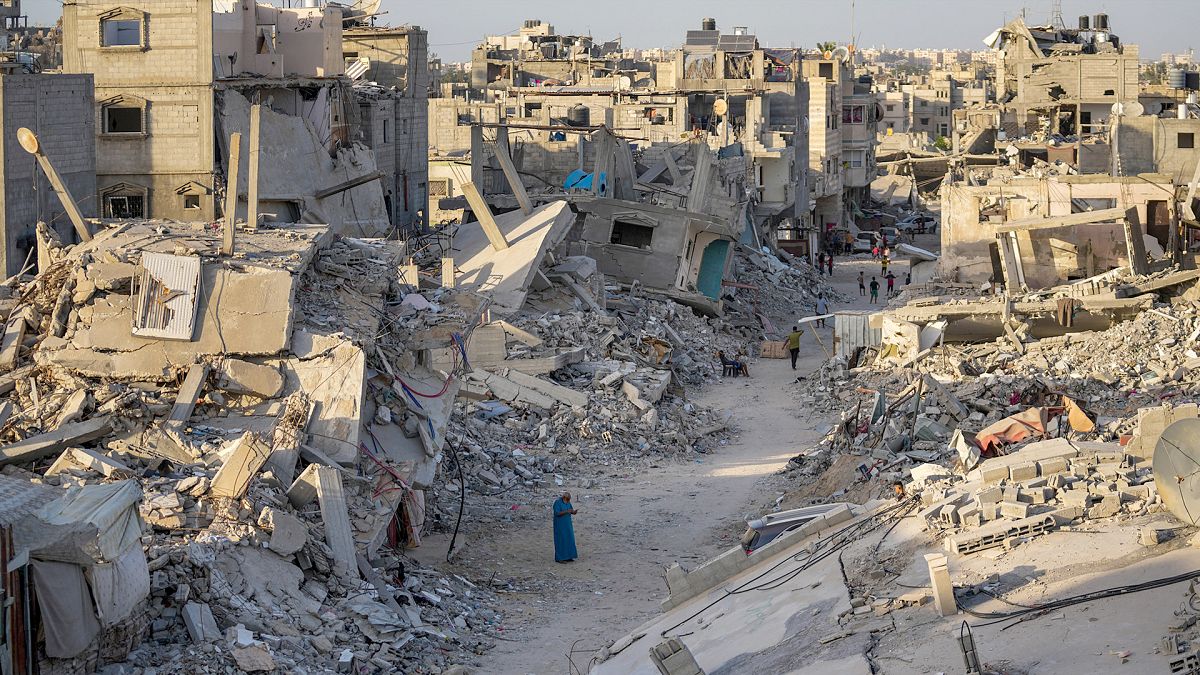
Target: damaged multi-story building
x,y
641,135
392,83
174,80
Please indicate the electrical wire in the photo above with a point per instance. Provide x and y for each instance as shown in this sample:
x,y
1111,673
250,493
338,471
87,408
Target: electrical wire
x,y
831,544
1031,611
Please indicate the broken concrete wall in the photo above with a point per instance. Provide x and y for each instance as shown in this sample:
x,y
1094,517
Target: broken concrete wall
x,y
294,166
258,39
970,215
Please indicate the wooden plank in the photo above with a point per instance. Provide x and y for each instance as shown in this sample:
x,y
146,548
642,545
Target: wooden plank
x,y
348,185
1134,245
53,442
504,155
231,191
64,194
448,277
484,215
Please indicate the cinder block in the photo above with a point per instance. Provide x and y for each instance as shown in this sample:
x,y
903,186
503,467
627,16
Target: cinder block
x,y
1054,465
1109,506
1023,471
994,475
1014,509
989,495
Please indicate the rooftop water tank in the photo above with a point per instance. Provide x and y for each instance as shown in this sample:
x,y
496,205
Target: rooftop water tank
x,y
579,116
1084,22
708,23
1101,22
1176,78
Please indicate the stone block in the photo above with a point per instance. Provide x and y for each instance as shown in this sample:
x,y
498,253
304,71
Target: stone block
x,y
201,625
288,533
1152,536
243,377
1107,507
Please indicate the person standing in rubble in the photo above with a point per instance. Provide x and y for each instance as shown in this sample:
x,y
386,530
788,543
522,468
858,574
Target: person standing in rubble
x,y
829,262
862,285
793,343
874,291
883,264
891,281
564,530
822,310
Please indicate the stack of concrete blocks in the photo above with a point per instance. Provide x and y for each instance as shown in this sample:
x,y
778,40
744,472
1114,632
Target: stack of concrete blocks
x,y
1151,422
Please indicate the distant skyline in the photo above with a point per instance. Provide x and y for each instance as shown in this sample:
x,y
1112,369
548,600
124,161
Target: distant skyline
x,y
455,27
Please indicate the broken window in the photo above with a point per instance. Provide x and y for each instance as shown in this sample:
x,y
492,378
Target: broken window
x,y
626,233
699,66
738,65
1185,141
123,32
924,121
853,114
124,207
123,120
439,187
825,70
191,201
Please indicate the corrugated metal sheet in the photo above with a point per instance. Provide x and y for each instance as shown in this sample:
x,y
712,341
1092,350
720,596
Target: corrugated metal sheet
x,y
165,298
852,330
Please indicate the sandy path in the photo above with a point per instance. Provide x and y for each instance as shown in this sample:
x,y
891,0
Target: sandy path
x,y
630,527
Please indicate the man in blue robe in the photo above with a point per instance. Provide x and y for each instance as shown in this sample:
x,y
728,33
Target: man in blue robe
x,y
564,531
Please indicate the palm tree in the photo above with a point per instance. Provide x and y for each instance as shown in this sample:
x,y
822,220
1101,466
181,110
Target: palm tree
x,y
826,46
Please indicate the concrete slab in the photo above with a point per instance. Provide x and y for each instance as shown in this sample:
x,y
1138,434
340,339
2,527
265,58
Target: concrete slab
x,y
505,276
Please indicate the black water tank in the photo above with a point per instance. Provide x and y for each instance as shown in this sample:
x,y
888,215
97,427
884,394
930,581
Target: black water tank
x,y
1193,80
1084,22
579,116
708,23
1101,22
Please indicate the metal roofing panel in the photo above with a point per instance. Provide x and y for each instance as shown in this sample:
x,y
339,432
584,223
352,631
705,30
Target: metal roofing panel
x,y
166,296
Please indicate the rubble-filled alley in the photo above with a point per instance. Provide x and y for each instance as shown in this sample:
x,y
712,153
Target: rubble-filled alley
x,y
322,352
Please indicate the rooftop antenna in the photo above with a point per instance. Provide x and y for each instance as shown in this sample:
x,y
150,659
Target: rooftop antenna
x,y
852,32
1056,17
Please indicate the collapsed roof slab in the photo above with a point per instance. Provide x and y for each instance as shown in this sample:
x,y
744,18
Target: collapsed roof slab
x,y
245,306
504,276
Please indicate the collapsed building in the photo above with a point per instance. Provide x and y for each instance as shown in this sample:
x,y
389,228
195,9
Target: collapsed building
x,y
738,98
173,82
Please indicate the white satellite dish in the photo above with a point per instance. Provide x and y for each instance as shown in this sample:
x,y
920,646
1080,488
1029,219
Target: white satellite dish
x,y
720,107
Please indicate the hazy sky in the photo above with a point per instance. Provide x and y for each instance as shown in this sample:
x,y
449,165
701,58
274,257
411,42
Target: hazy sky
x,y
456,25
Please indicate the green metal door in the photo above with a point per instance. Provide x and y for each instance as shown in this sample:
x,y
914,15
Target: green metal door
x,y
712,268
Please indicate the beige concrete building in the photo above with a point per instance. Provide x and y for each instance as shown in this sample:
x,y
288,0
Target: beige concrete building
x,y
59,109
174,78
396,119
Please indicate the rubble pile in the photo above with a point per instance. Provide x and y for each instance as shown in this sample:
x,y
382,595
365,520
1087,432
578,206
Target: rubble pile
x,y
273,543
780,291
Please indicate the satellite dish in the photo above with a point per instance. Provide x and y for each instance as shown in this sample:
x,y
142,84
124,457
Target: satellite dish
x,y
720,107
841,53
624,83
28,140
1133,109
1176,460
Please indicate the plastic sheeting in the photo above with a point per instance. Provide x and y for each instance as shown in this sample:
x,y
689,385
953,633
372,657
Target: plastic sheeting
x,y
1012,429
118,587
68,616
110,507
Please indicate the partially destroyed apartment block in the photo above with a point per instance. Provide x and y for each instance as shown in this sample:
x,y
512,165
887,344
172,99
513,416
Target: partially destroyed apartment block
x,y
175,79
60,107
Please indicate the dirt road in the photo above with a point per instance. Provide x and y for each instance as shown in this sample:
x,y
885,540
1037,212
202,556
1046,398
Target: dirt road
x,y
630,527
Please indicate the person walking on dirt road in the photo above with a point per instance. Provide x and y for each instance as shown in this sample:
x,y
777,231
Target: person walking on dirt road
x,y
564,530
793,343
874,291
